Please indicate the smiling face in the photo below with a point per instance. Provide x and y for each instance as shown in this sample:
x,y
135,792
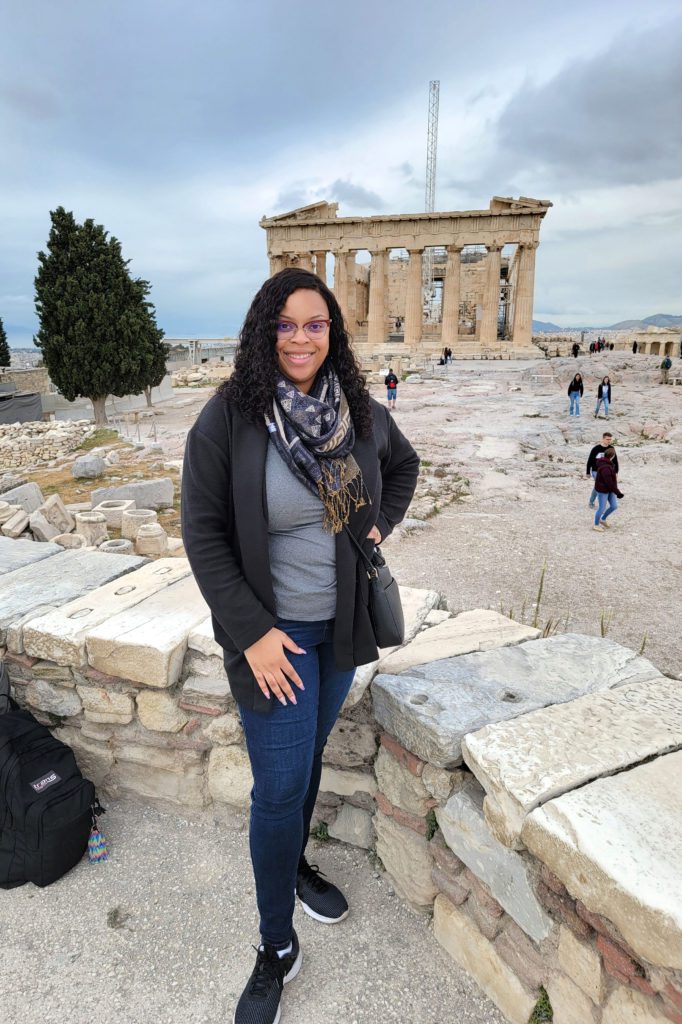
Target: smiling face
x,y
300,357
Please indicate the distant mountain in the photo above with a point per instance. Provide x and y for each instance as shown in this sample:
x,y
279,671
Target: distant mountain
x,y
658,320
543,326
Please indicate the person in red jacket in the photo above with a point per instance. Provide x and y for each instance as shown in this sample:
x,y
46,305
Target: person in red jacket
x,y
606,486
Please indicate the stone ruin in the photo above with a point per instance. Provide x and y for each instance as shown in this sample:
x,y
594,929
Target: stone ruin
x,y
523,790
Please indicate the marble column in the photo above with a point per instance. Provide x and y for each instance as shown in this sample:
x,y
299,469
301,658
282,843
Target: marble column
x,y
341,280
451,294
522,330
491,296
321,265
305,260
414,314
350,311
376,318
277,263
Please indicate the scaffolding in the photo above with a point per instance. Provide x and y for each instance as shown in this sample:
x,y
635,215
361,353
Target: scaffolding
x,y
431,296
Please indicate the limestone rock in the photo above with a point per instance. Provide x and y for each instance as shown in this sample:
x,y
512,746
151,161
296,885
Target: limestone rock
x,y
73,541
58,700
207,690
350,744
364,675
151,539
457,933
27,496
175,776
616,844
569,1003
582,963
94,759
88,467
229,776
16,524
626,1006
478,630
440,783
408,859
113,510
346,783
431,708
353,825
15,554
133,518
504,872
57,514
417,603
159,711
41,528
525,762
225,730
107,706
92,526
118,546
402,788
147,494
201,639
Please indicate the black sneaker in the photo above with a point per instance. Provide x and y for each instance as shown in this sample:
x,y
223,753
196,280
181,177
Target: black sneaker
x,y
259,1002
319,899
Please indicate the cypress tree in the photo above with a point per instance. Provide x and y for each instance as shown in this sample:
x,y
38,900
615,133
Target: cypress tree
x,y
95,324
5,358
156,350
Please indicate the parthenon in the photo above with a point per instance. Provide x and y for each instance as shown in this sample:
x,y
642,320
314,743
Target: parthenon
x,y
477,297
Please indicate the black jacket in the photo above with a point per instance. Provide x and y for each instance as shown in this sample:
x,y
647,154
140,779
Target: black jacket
x,y
600,392
593,462
573,386
225,533
390,380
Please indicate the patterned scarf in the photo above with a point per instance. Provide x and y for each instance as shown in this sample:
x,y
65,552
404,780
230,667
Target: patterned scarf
x,y
314,434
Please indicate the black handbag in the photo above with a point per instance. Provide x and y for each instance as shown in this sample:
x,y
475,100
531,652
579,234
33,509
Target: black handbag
x,y
385,609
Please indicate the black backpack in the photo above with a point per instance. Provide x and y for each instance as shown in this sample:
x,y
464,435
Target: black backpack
x,y
47,808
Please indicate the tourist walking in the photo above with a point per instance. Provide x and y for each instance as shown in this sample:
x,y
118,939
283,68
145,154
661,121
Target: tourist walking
x,y
592,461
575,393
606,486
289,456
575,348
603,397
391,383
666,366
634,348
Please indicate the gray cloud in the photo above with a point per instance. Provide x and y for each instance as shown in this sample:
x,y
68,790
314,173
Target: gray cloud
x,y
354,196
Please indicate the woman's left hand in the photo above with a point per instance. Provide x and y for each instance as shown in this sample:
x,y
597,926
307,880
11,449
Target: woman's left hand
x,y
374,535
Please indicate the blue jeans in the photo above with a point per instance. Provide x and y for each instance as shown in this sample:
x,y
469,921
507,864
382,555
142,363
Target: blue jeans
x,y
285,749
593,496
606,406
605,499
391,394
575,403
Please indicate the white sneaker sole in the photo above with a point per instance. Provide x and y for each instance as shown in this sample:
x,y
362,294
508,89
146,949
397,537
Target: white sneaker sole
x,y
319,917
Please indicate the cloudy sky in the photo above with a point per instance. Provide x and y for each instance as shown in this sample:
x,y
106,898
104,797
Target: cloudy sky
x,y
179,125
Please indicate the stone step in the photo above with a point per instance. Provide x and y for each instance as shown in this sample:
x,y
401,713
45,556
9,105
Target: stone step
x,y
14,554
60,635
147,643
526,762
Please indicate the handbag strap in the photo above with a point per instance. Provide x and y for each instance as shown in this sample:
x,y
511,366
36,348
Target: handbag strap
x,y
371,568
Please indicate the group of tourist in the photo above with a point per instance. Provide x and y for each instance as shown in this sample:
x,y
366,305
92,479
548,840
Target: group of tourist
x,y
446,357
576,390
599,345
602,467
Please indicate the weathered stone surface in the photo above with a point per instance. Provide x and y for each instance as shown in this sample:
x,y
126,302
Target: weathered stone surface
x,y
196,664
402,788
628,1007
73,541
58,700
201,639
523,763
417,603
158,711
147,643
132,519
16,524
88,467
616,844
53,581
14,554
57,514
206,690
407,858
117,546
353,825
504,872
431,708
92,526
350,744
346,783
55,673
440,783
176,776
569,1003
154,494
59,635
106,706
113,510
151,539
478,630
582,963
40,528
94,759
28,496
364,675
229,776
225,730
457,933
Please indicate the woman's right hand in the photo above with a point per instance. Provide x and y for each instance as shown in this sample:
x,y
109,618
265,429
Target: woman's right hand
x,y
272,668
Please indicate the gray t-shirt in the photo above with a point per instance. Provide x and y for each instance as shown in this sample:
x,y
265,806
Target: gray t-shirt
x,y
302,552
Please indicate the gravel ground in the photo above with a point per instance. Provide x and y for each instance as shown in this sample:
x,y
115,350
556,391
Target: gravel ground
x,y
161,933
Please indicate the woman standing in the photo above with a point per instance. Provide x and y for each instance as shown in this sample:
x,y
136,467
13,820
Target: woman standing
x,y
283,459
603,395
606,486
575,393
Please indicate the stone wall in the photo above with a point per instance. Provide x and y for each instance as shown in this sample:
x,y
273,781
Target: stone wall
x,y
524,791
25,444
36,379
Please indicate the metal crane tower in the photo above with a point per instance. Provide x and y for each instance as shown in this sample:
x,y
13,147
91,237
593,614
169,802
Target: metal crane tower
x,y
430,198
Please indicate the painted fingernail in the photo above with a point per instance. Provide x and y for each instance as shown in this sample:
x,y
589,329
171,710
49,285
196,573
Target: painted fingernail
x,y
301,651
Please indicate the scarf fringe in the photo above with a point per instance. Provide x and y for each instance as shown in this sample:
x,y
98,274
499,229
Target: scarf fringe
x,y
337,504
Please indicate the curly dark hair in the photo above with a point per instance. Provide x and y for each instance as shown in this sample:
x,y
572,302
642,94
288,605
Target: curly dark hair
x,y
252,384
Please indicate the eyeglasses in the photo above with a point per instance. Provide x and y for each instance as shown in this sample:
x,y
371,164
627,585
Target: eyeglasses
x,y
313,329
